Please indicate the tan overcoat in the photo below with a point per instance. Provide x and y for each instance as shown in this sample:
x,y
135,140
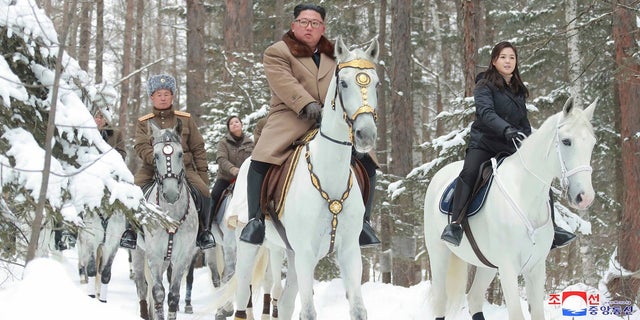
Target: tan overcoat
x,y
295,81
195,157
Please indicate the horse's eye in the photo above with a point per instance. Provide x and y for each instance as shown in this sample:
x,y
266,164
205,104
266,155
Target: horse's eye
x,y
566,142
343,83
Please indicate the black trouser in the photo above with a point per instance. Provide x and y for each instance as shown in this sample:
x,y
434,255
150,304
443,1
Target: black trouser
x,y
473,159
216,193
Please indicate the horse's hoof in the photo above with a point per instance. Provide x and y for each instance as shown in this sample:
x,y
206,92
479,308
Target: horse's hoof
x,y
172,315
216,283
188,309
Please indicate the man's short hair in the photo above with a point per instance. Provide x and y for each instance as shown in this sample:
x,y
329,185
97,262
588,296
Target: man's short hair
x,y
301,7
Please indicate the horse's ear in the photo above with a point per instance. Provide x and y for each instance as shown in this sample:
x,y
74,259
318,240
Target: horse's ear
x,y
568,106
341,49
591,109
178,126
374,49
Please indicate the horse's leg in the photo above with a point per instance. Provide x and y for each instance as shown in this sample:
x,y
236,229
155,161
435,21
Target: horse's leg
x,y
92,270
244,269
212,263
173,298
157,288
481,282
287,301
267,283
188,308
108,255
230,252
138,264
276,259
509,282
350,263
534,281
439,257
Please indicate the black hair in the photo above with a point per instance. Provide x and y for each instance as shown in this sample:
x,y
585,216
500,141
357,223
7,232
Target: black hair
x,y
492,74
231,118
301,7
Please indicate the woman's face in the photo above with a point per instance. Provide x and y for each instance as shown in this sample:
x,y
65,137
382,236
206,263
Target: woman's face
x,y
505,63
235,127
162,99
100,120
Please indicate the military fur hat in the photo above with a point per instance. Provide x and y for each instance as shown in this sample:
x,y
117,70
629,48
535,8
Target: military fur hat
x,y
161,81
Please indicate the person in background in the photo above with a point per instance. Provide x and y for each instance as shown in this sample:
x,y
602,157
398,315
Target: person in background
x,y
299,69
115,138
161,89
501,123
232,150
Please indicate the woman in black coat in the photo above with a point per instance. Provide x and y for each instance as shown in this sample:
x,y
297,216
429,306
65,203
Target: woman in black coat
x,y
501,123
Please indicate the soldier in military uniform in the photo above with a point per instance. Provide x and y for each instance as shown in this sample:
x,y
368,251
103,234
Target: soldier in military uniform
x,y
161,89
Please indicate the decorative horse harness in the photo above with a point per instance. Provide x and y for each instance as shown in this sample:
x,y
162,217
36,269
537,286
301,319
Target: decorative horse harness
x,y
167,150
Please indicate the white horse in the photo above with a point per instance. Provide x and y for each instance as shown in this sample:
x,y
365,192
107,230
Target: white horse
x,y
513,229
231,216
323,209
98,243
160,247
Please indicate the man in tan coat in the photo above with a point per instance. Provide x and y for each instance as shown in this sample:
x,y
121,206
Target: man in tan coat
x,y
161,89
299,69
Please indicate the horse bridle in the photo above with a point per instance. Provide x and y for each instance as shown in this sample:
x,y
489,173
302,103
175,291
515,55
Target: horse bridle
x,y
363,80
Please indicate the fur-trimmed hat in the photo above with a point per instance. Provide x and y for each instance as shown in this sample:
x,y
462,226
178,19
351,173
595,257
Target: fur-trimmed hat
x,y
161,81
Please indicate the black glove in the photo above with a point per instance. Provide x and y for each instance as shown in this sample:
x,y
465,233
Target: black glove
x,y
312,111
513,134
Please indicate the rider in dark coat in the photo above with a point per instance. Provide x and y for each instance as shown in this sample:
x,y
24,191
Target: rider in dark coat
x,y
501,123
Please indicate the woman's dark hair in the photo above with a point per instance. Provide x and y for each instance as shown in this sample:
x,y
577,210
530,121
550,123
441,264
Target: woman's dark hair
x,y
493,76
231,118
301,7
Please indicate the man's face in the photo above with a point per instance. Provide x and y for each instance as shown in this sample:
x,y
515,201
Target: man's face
x,y
162,99
304,30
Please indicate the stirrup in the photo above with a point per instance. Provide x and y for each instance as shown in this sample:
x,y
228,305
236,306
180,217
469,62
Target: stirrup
x,y
368,237
253,232
206,240
452,234
129,239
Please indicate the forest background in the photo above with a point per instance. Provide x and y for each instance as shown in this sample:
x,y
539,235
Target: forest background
x,y
431,51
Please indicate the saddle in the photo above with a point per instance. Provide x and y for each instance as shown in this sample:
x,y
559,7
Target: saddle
x,y
278,179
479,193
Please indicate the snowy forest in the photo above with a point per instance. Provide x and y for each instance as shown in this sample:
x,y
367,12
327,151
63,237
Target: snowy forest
x,y
63,60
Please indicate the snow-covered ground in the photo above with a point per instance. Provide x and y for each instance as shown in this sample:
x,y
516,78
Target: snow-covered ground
x,y
50,289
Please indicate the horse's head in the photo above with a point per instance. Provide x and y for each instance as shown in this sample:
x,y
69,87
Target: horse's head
x,y
356,83
575,140
167,153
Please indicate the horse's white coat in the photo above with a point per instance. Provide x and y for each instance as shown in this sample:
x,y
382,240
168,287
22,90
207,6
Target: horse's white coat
x,y
513,229
306,217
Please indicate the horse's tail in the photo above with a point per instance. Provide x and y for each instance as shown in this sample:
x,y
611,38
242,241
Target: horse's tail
x,y
260,267
456,284
224,293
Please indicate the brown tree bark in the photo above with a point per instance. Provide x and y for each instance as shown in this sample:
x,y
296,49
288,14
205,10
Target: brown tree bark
x,y
86,9
196,92
402,132
99,40
626,35
469,27
136,96
126,69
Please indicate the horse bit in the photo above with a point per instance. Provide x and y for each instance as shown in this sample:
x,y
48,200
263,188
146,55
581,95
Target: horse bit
x,y
363,80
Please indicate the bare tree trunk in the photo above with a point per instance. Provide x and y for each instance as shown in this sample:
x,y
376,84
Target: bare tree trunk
x,y
404,266
279,25
36,225
86,10
135,101
469,25
196,93
129,23
626,36
382,147
245,25
158,44
99,40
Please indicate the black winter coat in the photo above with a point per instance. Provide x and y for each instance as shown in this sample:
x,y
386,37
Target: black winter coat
x,y
495,111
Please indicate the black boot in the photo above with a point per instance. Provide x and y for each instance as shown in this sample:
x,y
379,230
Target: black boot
x,y
253,232
561,237
57,237
452,233
129,238
368,237
205,239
